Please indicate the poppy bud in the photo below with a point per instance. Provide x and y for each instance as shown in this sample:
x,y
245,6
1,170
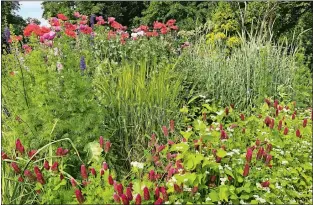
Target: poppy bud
x,y
138,199
249,155
286,131
165,131
159,201
246,170
146,194
79,196
110,180
242,117
54,167
101,142
83,172
298,134
172,126
305,122
15,167
265,184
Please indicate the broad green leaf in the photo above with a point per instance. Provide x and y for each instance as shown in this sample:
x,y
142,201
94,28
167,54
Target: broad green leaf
x,y
214,196
221,153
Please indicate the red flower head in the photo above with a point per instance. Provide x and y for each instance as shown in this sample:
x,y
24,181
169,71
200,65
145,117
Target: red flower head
x,y
160,148
29,175
70,33
224,135
77,14
20,179
107,146
70,26
138,199
177,188
46,165
280,124
146,194
268,159
172,126
174,27
272,123
116,198
249,155
260,153
293,116
19,147
159,201
15,167
286,131
59,151
129,193
84,17
170,22
165,131
110,179
111,19
242,117
298,134
105,166
54,167
39,175
62,17
170,142
101,142
164,193
156,193
267,121
79,196
275,104
61,176
83,172
246,170
152,175
73,182
4,156
257,142
124,199
269,148
268,102
305,122
31,153
93,171
226,110
119,189
101,172
86,30
265,184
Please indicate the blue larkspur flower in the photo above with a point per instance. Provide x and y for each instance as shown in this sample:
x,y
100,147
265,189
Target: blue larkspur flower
x,y
7,34
92,20
82,63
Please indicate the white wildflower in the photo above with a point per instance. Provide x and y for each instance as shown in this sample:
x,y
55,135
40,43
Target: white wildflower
x,y
284,162
137,164
220,112
277,186
237,151
208,199
230,153
223,180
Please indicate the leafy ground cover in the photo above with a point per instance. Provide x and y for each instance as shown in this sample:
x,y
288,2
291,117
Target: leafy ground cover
x,y
179,122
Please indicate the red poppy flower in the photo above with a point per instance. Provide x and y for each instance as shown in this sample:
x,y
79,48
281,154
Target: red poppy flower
x,y
62,17
70,33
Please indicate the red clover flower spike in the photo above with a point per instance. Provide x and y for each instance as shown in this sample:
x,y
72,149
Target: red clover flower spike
x,y
82,63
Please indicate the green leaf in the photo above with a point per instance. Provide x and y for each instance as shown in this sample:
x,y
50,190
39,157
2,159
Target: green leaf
x,y
38,186
224,193
184,110
186,135
221,153
214,196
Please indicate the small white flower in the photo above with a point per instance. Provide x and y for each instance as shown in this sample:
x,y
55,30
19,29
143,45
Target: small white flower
x,y
220,112
284,162
230,153
262,200
208,199
185,180
141,33
237,151
258,168
242,202
179,148
134,35
167,202
202,96
137,164
223,180
228,167
277,186
220,167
